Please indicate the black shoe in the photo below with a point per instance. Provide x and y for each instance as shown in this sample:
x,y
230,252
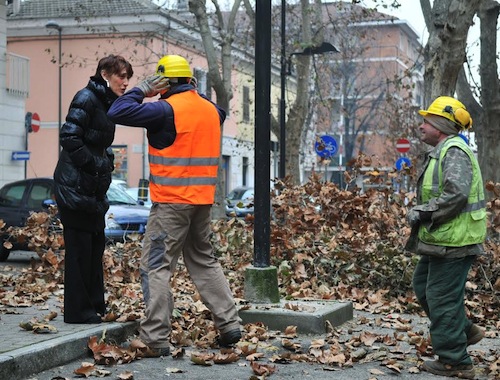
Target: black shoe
x,y
92,320
229,338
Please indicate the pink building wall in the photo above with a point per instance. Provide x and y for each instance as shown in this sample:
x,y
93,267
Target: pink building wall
x,y
80,55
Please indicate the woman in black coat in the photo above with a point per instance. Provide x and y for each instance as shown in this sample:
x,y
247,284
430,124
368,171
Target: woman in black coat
x,y
82,178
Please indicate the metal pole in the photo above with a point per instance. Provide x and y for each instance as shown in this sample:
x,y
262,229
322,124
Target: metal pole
x,y
282,167
262,201
60,94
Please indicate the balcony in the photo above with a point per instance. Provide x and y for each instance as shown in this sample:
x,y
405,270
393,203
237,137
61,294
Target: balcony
x,y
18,75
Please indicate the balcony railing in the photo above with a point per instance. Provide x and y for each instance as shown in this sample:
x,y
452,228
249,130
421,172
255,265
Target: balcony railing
x,y
18,75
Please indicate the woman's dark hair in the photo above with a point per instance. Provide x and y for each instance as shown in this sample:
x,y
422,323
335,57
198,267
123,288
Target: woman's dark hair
x,y
114,64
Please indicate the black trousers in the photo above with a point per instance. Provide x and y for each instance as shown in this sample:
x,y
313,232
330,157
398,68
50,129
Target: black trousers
x,y
83,275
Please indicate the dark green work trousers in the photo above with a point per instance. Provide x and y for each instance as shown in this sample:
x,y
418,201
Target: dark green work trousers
x,y
439,284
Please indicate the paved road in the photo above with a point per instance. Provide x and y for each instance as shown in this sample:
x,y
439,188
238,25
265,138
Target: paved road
x,y
19,259
23,353
184,369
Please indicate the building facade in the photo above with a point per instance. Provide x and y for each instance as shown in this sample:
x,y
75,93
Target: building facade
x,y
67,38
13,92
86,31
375,85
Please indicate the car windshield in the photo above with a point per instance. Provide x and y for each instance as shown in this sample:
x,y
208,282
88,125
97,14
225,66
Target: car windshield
x,y
118,196
236,194
248,195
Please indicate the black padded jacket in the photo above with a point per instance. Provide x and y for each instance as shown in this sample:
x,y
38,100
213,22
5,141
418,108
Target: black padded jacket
x,y
83,172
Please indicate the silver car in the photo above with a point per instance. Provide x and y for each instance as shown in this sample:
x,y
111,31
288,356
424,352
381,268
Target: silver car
x,y
239,202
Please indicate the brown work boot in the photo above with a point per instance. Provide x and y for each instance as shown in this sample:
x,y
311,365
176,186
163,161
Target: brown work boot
x,y
229,338
463,371
144,351
474,335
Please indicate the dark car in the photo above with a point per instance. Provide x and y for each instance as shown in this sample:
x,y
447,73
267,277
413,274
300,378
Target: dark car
x,y
19,199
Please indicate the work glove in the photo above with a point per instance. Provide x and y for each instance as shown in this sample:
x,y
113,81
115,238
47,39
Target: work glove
x,y
413,217
154,85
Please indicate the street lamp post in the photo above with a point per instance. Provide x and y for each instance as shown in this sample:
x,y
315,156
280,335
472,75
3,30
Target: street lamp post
x,y
325,47
282,168
55,25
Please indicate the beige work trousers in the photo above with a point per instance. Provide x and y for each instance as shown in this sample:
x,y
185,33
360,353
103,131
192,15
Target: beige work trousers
x,y
173,229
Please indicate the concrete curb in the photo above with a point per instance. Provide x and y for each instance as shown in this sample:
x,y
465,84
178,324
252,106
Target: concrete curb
x,y
310,317
20,363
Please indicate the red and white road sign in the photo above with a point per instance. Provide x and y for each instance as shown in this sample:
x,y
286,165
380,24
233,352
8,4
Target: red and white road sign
x,y
403,145
35,122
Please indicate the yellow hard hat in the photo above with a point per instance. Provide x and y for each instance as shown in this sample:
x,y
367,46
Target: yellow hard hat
x,y
451,109
173,66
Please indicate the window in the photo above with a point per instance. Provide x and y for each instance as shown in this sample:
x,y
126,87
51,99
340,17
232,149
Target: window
x,y
121,164
40,192
246,104
245,171
18,75
12,196
226,160
204,86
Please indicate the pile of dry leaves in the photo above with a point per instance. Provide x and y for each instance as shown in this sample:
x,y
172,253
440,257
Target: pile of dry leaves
x,y
327,243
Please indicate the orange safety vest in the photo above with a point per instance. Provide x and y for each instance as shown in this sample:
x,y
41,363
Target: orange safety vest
x,y
186,171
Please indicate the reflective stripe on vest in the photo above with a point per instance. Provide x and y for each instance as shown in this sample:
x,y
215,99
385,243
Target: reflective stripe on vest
x,y
470,226
186,171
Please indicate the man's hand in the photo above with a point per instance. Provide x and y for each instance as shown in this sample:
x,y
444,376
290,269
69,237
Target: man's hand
x,y
154,85
413,217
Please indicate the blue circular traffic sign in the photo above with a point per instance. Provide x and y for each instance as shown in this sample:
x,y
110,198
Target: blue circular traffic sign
x,y
403,162
325,146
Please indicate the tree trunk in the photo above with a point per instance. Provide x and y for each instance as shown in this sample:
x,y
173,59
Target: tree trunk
x,y
220,83
295,125
489,130
448,24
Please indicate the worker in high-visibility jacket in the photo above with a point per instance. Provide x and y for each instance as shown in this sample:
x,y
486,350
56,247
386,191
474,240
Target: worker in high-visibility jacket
x,y
448,229
184,137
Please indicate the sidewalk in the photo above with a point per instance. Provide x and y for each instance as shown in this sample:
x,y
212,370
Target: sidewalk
x,y
24,352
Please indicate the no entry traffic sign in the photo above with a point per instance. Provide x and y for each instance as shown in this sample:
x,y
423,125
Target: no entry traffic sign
x,y
35,122
403,145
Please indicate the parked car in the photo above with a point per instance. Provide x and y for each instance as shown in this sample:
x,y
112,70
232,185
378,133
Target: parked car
x,y
18,199
239,202
120,182
141,196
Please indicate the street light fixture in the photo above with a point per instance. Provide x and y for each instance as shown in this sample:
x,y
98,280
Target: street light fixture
x,y
286,69
55,25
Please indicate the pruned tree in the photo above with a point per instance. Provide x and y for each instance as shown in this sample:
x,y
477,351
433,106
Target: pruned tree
x,y
365,100
448,22
486,111
220,61
310,16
